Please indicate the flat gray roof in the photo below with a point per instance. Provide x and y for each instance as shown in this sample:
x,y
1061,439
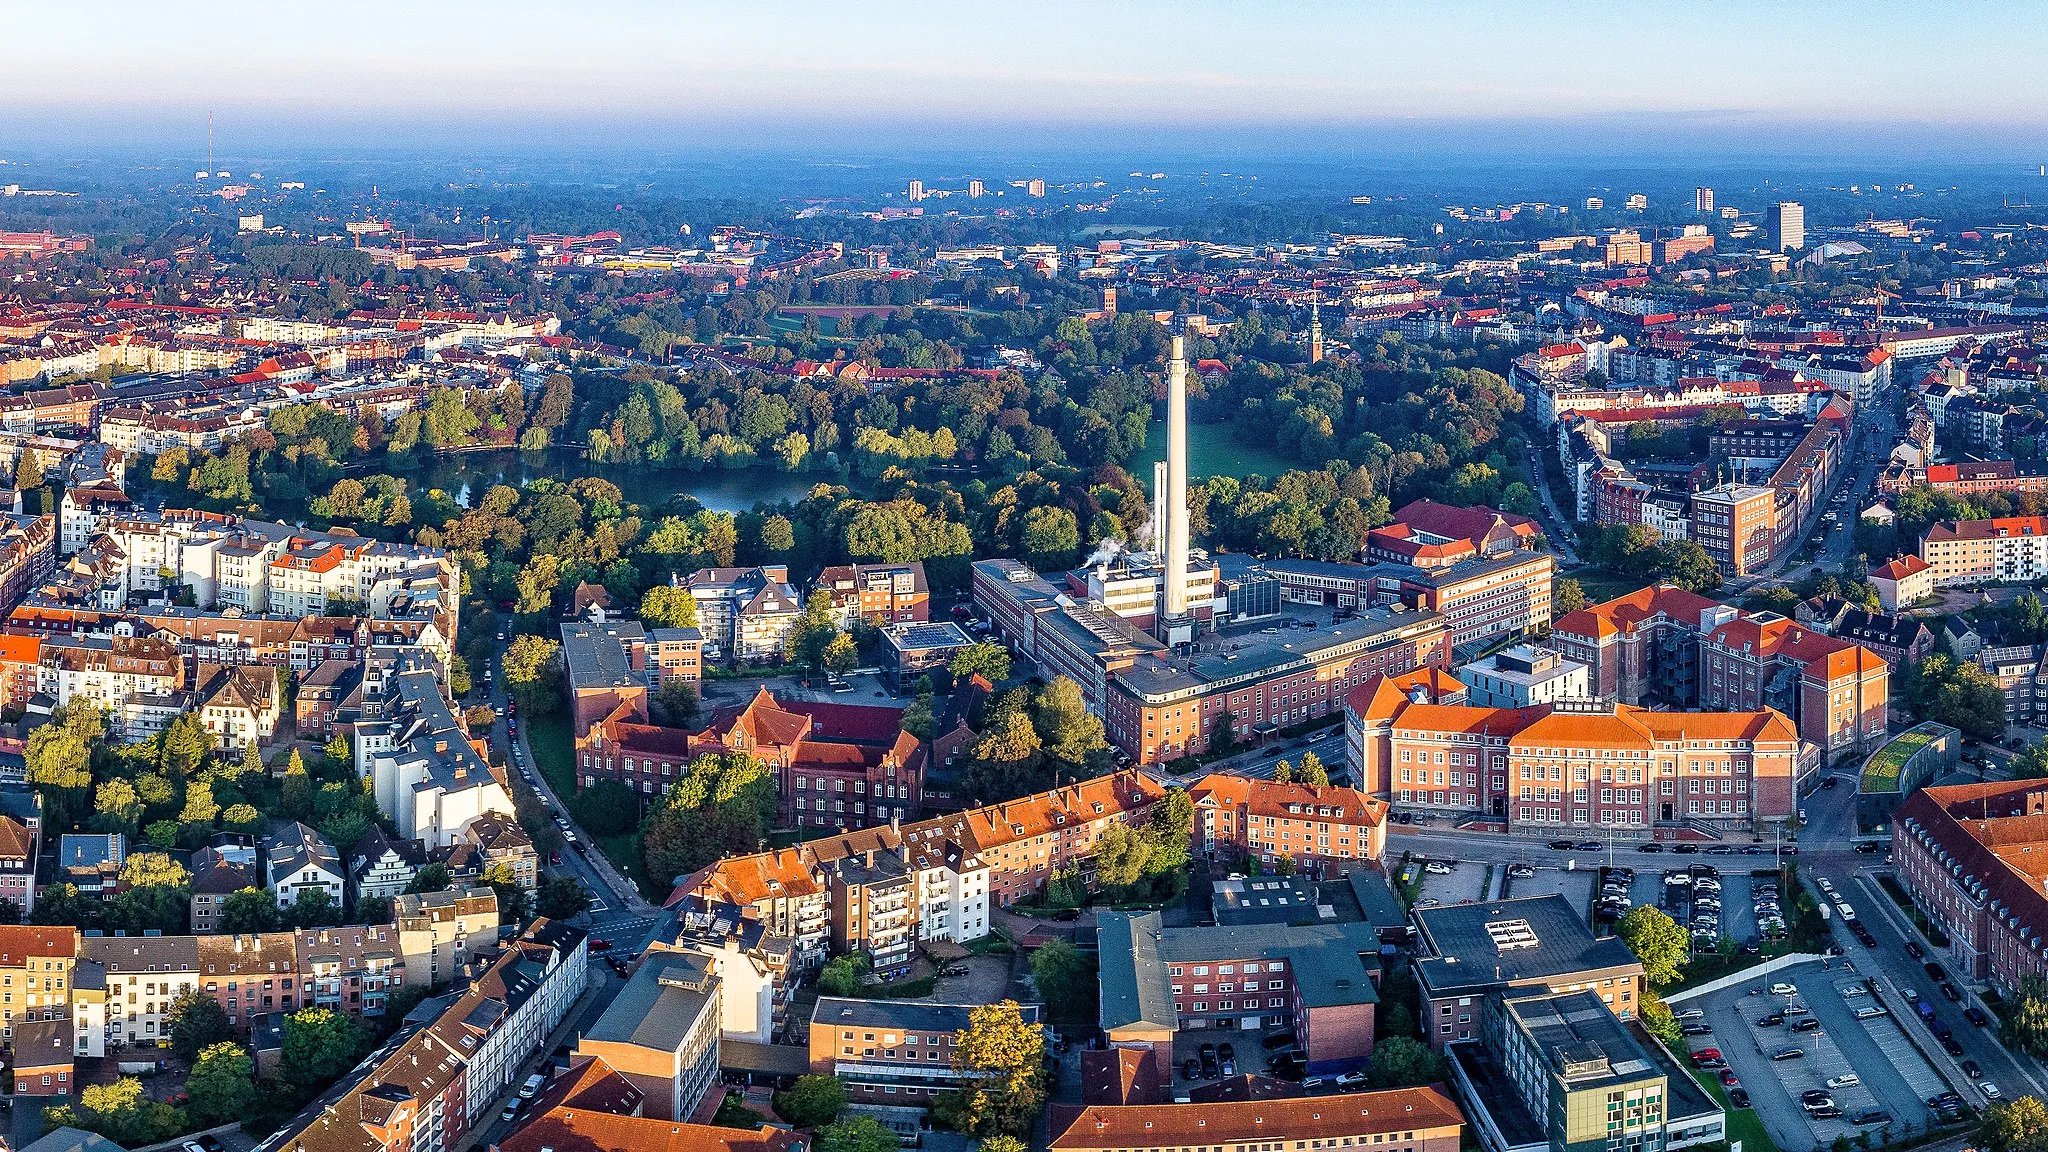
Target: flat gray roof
x,y
902,1015
596,656
1510,942
654,1010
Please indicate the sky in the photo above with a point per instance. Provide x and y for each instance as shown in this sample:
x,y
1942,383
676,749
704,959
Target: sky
x,y
1786,75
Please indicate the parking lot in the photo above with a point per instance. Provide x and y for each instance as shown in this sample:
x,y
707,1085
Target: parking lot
x,y
1866,1068
1733,889
1575,885
1465,881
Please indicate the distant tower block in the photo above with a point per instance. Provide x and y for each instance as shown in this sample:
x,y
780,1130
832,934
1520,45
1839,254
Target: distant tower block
x,y
975,188
1109,300
1035,188
915,191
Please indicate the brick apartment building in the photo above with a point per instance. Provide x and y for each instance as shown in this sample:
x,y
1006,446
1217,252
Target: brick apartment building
x,y
1398,1120
1835,690
1666,646
1158,982
1240,818
1974,859
1570,763
877,593
2008,548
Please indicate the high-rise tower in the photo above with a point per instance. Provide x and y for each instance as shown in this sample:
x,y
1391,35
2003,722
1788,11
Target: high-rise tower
x,y
1176,623
1315,331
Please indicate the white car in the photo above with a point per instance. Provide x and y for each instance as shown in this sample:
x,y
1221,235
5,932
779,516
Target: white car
x,y
1845,1080
1437,868
1990,1091
1782,989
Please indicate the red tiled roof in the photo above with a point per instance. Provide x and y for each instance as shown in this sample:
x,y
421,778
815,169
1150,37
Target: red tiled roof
x,y
1623,613
581,1130
1309,1118
1901,568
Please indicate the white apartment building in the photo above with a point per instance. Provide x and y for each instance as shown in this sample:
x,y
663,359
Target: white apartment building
x,y
427,777
952,893
138,680
144,975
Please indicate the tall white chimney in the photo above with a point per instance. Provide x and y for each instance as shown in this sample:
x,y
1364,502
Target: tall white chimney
x,y
1177,627
1159,508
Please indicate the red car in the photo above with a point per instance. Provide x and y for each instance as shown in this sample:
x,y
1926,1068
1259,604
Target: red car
x,y
1706,1054
1728,1077
600,945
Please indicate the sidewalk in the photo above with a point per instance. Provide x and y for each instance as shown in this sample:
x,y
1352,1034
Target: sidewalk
x,y
625,890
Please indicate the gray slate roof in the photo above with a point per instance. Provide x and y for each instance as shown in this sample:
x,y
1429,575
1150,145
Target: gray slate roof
x,y
658,1007
1133,977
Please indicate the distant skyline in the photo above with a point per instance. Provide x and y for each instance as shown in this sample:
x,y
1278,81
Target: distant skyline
x,y
1816,77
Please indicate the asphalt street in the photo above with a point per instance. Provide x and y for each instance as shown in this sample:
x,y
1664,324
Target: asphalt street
x,y
617,912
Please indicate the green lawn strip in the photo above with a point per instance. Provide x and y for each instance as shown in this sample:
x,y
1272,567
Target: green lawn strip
x,y
1742,1123
554,753
624,853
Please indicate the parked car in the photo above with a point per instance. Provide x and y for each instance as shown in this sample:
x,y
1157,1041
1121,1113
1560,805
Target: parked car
x,y
1976,1016
1739,1097
1191,1069
1351,1080
1990,1091
1971,1069
1789,1052
1437,868
1915,950
1695,1030
1845,1080
1814,1097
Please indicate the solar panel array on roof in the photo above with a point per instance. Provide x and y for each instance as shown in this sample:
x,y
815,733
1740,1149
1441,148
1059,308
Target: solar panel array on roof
x,y
1511,934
